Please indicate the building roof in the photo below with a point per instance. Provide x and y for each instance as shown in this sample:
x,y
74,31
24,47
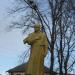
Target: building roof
x,y
70,74
22,68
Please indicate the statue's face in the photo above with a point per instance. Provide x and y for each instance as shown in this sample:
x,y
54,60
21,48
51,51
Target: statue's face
x,y
37,27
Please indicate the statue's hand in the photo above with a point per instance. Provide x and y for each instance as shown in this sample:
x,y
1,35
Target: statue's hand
x,y
24,41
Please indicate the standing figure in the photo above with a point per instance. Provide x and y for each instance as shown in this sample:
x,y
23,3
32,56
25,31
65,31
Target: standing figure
x,y
39,48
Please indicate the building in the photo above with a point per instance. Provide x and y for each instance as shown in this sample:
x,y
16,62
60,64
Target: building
x,y
70,74
20,70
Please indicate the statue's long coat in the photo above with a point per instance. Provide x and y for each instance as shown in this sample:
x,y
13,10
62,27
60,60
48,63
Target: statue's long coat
x,y
39,46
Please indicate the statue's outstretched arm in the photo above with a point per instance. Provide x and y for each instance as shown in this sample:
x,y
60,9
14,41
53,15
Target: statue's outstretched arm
x,y
25,40
29,39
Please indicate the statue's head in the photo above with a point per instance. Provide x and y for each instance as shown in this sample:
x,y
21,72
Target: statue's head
x,y
37,27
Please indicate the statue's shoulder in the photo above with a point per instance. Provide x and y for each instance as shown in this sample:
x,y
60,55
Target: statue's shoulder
x,y
31,34
42,33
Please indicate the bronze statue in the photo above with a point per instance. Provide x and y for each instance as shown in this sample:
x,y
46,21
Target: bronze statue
x,y
39,47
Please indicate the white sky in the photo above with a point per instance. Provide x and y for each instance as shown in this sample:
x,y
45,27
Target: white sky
x,y
11,45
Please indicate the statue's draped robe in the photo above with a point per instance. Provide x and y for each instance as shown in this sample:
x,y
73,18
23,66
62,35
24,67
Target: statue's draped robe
x,y
39,47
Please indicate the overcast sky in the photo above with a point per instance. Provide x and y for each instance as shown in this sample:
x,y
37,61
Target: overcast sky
x,y
11,43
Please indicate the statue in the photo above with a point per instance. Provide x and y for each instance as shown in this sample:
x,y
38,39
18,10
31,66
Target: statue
x,y
39,48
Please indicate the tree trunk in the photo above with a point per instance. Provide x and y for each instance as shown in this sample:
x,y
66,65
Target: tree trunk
x,y
52,63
